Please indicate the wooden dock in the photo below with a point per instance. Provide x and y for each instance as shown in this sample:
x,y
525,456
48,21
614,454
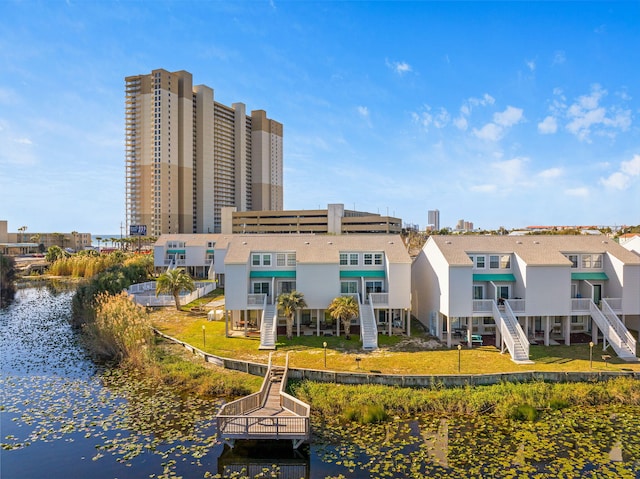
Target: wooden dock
x,y
270,413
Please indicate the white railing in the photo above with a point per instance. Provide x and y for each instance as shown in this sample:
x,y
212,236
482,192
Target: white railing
x,y
614,303
211,274
483,305
248,403
137,290
580,305
516,305
368,326
616,333
507,323
256,300
289,402
379,299
519,331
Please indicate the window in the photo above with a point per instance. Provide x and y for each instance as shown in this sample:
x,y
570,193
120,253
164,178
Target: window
x,y
343,259
597,260
368,259
574,260
479,262
478,291
373,286
353,259
266,260
255,260
287,286
291,259
281,259
502,261
348,287
211,244
377,258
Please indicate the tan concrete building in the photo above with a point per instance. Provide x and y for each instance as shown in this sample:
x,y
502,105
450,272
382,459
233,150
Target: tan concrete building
x,y
188,156
334,220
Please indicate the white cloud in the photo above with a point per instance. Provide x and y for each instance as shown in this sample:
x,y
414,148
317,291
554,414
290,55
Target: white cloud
x,y
363,111
551,173
559,57
616,181
548,126
511,171
587,115
501,121
489,132
509,117
488,188
581,192
531,64
631,167
23,141
461,122
399,67
426,118
621,179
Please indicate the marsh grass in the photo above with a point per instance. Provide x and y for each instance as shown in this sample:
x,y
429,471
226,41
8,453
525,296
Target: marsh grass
x,y
334,400
176,367
121,330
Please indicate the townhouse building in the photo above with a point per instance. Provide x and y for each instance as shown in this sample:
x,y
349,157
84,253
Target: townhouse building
x,y
528,288
255,269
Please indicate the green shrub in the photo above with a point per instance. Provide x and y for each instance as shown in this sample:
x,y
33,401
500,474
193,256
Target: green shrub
x,y
558,403
524,412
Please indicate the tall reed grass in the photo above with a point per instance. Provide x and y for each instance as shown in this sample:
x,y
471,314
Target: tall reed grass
x,y
121,330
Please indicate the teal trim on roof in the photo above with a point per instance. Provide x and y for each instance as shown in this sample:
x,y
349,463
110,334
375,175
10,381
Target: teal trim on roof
x,y
375,273
507,277
594,275
272,274
176,251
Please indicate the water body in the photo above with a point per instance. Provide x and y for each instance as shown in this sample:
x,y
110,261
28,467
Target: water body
x,y
62,416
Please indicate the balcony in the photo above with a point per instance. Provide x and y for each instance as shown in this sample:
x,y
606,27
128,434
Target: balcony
x,y
379,300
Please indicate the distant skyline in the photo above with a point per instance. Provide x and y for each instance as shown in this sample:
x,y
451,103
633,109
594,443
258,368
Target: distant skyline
x,y
503,114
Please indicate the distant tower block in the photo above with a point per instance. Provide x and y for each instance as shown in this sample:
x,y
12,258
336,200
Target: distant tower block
x,y
434,219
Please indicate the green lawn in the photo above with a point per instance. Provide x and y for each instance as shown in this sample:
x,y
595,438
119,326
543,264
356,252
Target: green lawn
x,y
395,355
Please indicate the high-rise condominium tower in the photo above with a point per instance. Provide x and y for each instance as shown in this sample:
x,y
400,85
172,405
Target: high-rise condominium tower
x,y
434,220
187,156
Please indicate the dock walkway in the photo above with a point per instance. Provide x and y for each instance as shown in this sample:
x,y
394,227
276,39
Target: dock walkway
x,y
270,413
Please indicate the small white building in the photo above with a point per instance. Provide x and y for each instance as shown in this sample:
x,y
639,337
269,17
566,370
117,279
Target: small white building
x,y
528,288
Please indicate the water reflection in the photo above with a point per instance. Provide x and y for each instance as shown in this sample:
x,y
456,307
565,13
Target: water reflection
x,y
265,459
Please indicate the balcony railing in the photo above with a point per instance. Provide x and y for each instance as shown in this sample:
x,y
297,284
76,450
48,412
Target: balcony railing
x,y
379,299
580,305
256,301
614,303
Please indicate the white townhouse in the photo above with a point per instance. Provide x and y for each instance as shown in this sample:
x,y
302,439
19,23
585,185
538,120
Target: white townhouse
x,y
528,288
201,255
374,269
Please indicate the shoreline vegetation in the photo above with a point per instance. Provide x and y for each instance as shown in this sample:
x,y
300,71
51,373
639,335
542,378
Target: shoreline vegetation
x,y
119,332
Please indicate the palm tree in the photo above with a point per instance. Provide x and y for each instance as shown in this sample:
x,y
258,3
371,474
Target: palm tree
x,y
173,282
289,303
344,308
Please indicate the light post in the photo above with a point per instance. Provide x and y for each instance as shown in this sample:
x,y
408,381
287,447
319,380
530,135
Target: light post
x,y
358,358
590,354
459,350
324,345
204,338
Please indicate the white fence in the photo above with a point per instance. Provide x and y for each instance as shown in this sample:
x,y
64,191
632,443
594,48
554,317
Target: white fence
x,y
144,294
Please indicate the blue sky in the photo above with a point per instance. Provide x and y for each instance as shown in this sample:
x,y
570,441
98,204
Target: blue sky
x,y
503,114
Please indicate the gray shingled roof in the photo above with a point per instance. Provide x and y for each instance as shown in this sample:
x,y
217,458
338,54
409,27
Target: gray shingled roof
x,y
316,248
533,249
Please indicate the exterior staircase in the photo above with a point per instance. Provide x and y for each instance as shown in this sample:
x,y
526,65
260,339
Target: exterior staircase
x,y
614,331
268,327
368,328
513,336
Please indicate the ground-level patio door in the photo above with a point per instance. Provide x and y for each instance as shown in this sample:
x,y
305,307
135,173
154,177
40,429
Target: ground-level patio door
x,y
262,287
